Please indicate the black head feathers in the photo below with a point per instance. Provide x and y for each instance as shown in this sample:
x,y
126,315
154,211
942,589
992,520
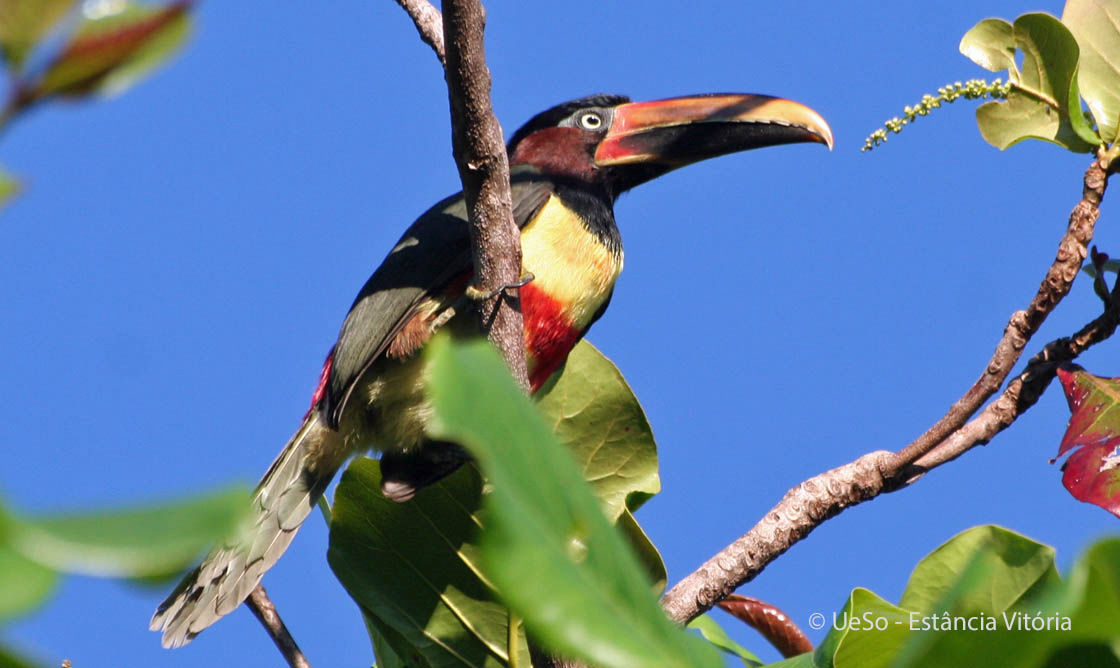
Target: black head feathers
x,y
551,117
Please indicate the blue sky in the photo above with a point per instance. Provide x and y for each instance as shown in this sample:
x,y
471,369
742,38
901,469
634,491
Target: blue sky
x,y
184,255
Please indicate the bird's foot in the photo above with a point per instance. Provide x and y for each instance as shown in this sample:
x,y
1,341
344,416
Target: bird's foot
x,y
480,295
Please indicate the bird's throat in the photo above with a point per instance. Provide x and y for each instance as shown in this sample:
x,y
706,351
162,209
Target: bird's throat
x,y
574,272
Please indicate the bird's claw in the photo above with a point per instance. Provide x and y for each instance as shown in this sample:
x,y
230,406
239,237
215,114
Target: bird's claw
x,y
480,295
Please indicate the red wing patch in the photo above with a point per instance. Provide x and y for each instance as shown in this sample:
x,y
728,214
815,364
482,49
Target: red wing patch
x,y
324,378
549,337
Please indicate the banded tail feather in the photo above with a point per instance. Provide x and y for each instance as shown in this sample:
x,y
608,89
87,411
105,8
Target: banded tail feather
x,y
229,573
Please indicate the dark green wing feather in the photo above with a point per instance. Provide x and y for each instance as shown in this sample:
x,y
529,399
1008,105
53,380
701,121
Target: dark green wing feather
x,y
432,252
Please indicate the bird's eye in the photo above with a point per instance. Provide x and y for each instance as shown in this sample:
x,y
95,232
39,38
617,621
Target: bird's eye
x,y
590,120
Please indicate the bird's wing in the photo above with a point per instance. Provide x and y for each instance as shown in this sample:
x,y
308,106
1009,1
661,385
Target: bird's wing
x,y
434,251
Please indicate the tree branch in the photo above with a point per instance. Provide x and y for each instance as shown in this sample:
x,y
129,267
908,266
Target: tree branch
x,y
480,154
1023,392
429,23
1023,324
812,502
265,611
800,511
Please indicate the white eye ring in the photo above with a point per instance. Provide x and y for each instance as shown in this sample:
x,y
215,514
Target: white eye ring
x,y
590,120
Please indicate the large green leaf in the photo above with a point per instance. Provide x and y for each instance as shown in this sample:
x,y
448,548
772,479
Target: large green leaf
x,y
9,659
23,23
988,597
592,410
594,601
24,584
384,639
645,550
1075,622
1044,102
413,567
138,542
1016,566
714,633
1096,26
991,45
108,53
866,633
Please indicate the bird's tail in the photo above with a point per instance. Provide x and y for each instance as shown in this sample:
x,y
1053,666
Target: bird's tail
x,y
287,493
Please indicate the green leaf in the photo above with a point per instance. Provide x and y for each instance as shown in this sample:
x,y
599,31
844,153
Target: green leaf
x,y
866,633
991,45
1096,26
1044,102
714,633
590,406
1014,566
9,659
23,23
9,187
987,597
645,550
805,660
386,642
1092,592
592,410
1004,124
109,53
1050,63
413,567
596,603
24,584
140,542
1062,623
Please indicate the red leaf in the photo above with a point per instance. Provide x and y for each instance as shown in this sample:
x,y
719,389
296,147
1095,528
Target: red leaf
x,y
774,625
1092,473
102,47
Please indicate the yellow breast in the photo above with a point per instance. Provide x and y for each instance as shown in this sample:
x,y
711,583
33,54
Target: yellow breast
x,y
569,262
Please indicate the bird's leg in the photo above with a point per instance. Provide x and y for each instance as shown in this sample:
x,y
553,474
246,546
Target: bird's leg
x,y
480,295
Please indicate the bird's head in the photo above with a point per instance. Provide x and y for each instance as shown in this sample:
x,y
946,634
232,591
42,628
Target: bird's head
x,y
617,144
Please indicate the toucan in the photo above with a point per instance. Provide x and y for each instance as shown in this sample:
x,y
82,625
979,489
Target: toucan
x,y
568,165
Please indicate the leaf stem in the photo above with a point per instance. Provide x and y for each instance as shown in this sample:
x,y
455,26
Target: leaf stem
x,y
513,640
1041,97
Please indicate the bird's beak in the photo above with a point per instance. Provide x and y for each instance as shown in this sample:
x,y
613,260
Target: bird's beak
x,y
683,130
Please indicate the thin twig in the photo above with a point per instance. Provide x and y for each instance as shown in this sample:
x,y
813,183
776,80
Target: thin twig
x,y
1024,391
812,502
265,611
429,23
1023,324
800,511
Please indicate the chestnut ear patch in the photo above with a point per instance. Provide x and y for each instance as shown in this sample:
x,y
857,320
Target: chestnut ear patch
x,y
414,333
